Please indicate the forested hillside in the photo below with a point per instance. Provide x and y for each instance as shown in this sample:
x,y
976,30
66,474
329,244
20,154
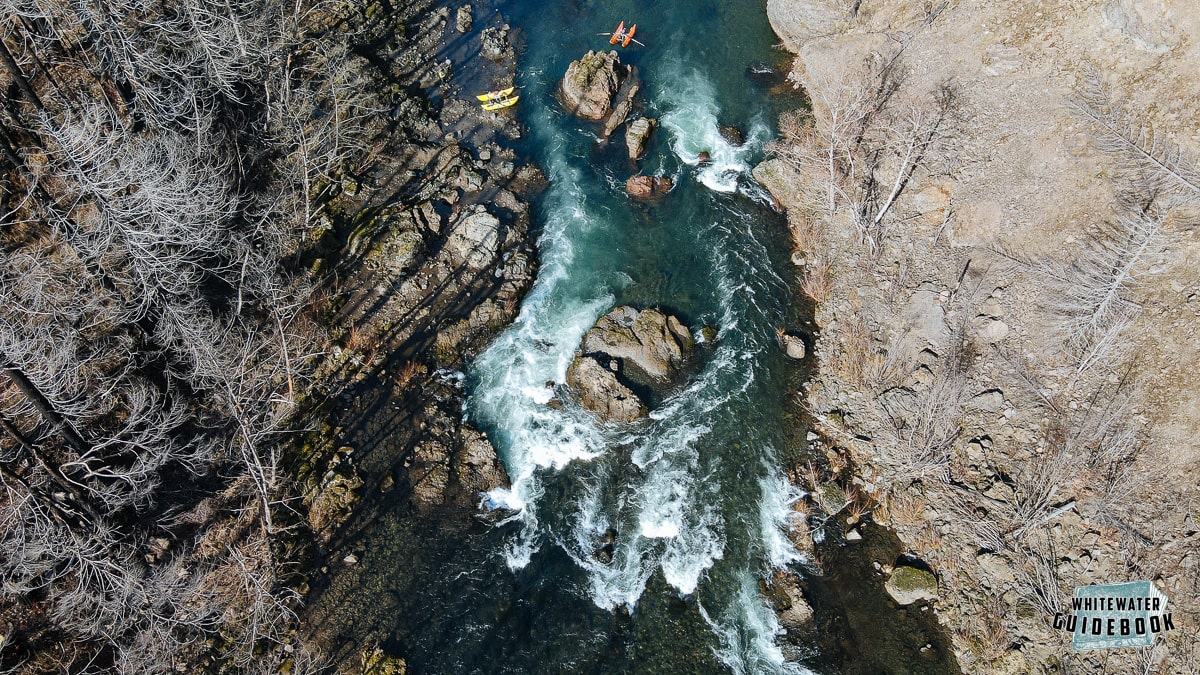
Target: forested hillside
x,y
164,167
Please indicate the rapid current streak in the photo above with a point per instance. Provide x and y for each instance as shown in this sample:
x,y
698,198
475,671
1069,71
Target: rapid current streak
x,y
695,494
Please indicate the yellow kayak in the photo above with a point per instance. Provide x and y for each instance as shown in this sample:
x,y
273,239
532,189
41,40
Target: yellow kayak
x,y
492,95
502,103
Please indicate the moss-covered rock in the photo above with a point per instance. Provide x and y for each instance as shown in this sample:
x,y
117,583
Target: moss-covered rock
x,y
377,662
910,584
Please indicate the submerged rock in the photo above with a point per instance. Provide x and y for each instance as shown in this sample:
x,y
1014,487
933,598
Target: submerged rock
x,y
637,136
588,88
907,585
648,187
765,75
733,135
600,392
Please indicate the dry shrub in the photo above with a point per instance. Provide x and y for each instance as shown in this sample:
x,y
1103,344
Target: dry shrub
x,y
899,508
853,362
409,372
818,279
357,339
805,236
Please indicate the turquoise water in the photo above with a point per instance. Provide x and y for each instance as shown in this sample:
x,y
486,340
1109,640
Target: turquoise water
x,y
695,494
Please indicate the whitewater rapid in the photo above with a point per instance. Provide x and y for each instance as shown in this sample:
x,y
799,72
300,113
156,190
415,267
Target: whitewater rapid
x,y
663,485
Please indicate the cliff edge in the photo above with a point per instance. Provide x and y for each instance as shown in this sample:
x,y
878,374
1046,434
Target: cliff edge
x,y
994,206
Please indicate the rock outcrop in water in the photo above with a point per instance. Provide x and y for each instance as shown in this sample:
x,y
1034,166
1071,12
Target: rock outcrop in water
x,y
591,84
637,136
627,349
647,187
652,347
599,391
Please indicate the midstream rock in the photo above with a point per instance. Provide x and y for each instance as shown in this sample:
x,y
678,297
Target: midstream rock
x,y
648,187
621,111
733,135
588,88
637,136
599,391
653,347
628,348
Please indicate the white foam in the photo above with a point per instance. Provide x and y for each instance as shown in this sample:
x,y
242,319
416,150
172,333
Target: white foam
x,y
693,551
776,518
747,628
667,504
692,120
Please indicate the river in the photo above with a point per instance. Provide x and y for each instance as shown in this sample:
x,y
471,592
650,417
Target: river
x,y
695,494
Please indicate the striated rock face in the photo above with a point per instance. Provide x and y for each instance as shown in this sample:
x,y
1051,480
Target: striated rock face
x,y
637,136
648,187
795,21
477,467
628,347
622,110
599,391
474,240
590,85
652,346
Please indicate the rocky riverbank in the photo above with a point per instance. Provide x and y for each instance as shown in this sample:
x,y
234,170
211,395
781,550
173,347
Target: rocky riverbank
x,y
426,255
992,207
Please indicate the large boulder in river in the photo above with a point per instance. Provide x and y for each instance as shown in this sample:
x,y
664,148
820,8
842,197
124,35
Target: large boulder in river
x,y
653,347
637,136
647,187
621,110
599,391
588,88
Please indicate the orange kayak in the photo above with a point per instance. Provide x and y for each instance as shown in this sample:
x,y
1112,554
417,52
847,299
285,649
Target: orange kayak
x,y
618,35
629,36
